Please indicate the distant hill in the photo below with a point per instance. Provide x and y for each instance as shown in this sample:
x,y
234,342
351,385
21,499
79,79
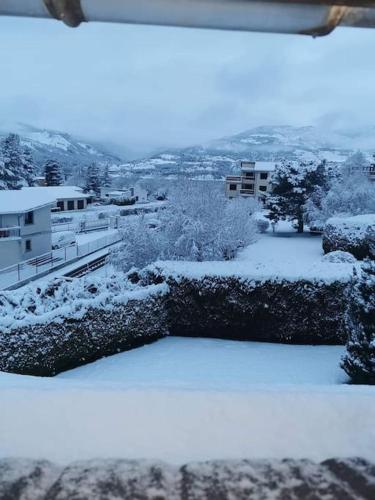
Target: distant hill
x,y
267,143
68,150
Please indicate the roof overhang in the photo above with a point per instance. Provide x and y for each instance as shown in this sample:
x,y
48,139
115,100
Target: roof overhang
x,y
310,17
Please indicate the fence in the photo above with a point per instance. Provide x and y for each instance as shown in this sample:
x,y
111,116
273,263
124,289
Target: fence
x,y
51,260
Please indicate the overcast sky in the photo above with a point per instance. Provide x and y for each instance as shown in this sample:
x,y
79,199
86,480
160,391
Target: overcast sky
x,y
146,87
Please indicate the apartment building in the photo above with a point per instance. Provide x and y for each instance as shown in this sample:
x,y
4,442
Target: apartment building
x,y
25,225
254,180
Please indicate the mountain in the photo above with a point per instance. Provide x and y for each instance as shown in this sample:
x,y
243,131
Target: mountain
x,y
67,150
217,158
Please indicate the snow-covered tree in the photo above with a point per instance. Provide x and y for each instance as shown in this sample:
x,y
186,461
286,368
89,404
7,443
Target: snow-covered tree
x,y
52,172
355,163
359,361
12,174
198,224
140,246
28,166
106,180
348,195
93,179
292,185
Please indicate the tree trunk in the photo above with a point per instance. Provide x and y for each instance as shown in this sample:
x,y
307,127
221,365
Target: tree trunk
x,y
300,226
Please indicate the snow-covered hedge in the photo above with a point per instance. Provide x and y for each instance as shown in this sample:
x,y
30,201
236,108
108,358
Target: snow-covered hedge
x,y
59,326
359,361
302,310
213,479
350,234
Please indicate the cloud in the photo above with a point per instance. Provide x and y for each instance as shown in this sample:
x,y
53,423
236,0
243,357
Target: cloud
x,y
143,87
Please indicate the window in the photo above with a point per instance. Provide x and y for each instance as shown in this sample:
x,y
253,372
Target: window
x,y
249,175
262,188
29,218
248,186
232,187
60,205
80,204
264,176
71,205
28,246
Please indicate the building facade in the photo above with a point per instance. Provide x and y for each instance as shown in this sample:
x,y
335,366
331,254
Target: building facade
x,y
25,227
67,198
253,182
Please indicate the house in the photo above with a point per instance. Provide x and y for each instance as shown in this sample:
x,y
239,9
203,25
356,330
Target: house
x,y
137,192
25,225
67,197
253,182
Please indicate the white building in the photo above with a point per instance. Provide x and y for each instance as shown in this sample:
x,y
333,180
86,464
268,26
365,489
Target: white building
x,y
137,192
254,180
66,197
25,225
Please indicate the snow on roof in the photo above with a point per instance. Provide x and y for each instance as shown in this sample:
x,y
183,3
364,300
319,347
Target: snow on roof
x,y
20,201
265,166
59,192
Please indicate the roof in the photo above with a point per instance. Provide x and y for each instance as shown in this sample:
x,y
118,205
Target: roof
x,y
260,166
59,192
20,201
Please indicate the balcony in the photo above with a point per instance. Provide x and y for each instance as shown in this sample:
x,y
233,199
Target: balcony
x,y
233,178
247,192
10,232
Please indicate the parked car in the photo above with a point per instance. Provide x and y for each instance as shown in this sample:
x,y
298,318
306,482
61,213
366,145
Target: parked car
x,y
63,239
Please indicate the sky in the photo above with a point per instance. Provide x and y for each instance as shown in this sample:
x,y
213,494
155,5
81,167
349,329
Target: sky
x,y
140,88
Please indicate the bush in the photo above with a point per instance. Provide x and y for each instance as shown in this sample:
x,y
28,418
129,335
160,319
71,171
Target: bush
x,y
359,361
300,311
340,257
350,234
262,225
198,224
123,202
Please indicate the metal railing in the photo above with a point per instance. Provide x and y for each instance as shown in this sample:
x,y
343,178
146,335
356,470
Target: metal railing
x,y
10,232
45,263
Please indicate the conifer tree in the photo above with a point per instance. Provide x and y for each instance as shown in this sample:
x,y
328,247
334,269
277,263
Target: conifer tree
x,y
359,360
12,169
292,185
53,173
106,178
93,179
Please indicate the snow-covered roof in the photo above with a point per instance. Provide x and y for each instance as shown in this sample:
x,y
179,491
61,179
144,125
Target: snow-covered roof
x,y
20,201
265,166
59,192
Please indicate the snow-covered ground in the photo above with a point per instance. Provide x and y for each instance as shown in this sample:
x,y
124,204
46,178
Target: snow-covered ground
x,y
192,399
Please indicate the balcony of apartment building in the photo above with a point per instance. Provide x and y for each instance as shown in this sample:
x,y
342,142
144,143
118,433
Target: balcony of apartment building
x,y
10,232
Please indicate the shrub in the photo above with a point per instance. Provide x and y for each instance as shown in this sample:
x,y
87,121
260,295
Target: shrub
x,y
350,234
340,257
359,361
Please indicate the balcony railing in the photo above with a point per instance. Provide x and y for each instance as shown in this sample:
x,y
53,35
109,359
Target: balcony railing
x,y
247,191
10,232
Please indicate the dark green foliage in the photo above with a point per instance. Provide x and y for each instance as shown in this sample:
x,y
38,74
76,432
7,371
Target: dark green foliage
x,y
53,174
359,361
292,186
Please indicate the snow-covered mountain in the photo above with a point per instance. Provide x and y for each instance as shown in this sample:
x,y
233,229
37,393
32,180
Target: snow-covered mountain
x,y
273,143
48,144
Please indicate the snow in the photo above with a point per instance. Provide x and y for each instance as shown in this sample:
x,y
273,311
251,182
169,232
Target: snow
x,y
188,399
20,201
58,192
211,364
283,255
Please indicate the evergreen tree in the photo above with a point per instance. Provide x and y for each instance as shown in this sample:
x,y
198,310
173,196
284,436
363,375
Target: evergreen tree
x,y
292,185
359,361
53,173
93,179
12,169
106,178
28,166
